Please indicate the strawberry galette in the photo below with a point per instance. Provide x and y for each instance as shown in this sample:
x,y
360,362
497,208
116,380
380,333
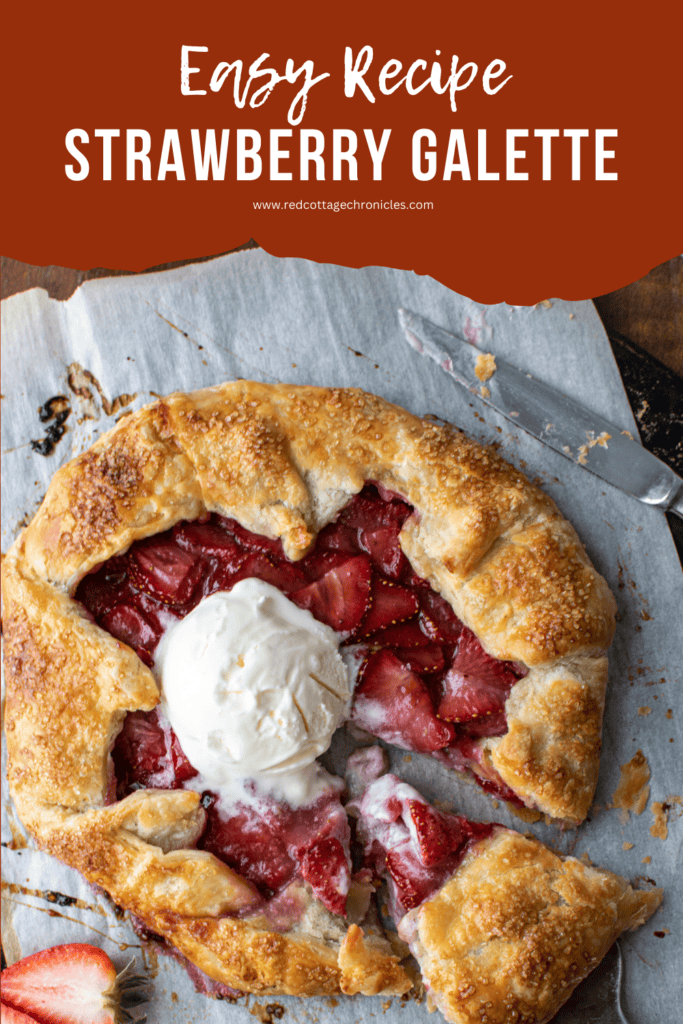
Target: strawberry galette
x,y
216,586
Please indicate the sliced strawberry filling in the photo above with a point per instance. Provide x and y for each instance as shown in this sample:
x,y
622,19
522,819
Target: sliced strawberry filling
x,y
426,683
271,843
395,704
476,685
267,841
340,597
410,844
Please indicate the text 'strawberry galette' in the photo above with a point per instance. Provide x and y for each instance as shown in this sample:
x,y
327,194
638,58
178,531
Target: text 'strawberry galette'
x,y
221,582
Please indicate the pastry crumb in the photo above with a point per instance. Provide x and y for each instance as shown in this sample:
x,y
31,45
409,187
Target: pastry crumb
x,y
633,790
526,814
485,392
646,860
546,303
645,710
627,846
662,932
485,366
661,811
670,713
628,434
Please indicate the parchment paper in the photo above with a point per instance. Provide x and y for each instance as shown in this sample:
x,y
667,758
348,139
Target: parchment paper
x,y
252,315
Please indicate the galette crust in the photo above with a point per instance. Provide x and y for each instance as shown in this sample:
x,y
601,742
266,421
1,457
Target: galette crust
x,y
282,460
516,928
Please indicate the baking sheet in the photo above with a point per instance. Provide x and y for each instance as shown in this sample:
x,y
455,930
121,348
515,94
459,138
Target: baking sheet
x,y
252,315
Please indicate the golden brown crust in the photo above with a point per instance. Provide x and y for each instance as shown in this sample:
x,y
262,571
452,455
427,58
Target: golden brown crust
x,y
283,460
516,928
367,969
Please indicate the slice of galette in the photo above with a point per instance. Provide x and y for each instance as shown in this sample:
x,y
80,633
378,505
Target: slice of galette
x,y
471,623
503,928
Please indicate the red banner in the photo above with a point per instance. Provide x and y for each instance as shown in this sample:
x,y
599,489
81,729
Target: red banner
x,y
510,151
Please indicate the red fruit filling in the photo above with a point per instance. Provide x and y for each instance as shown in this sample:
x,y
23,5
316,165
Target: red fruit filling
x,y
426,683
410,844
271,844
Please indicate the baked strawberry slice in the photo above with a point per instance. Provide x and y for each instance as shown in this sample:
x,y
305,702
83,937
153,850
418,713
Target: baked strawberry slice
x,y
437,835
384,549
389,605
414,885
247,842
319,562
325,867
160,567
210,538
129,625
182,769
439,620
393,703
403,634
422,659
252,541
367,511
476,685
286,576
338,537
71,984
141,753
339,598
491,725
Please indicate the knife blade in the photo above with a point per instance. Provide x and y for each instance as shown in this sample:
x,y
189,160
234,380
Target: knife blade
x,y
557,421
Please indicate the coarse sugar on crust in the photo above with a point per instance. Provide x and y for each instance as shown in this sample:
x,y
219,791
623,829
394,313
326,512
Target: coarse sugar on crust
x,y
282,460
516,928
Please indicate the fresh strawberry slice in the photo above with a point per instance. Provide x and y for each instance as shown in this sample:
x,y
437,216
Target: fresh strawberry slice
x,y
162,568
390,604
393,703
476,684
403,634
10,1016
252,541
286,576
340,597
437,835
210,539
326,868
384,549
440,621
71,984
422,659
129,625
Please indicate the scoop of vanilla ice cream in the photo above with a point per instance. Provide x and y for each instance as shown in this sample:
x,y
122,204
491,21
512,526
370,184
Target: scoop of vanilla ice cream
x,y
252,684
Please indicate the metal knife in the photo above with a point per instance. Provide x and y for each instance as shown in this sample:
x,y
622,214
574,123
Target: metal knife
x,y
551,417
